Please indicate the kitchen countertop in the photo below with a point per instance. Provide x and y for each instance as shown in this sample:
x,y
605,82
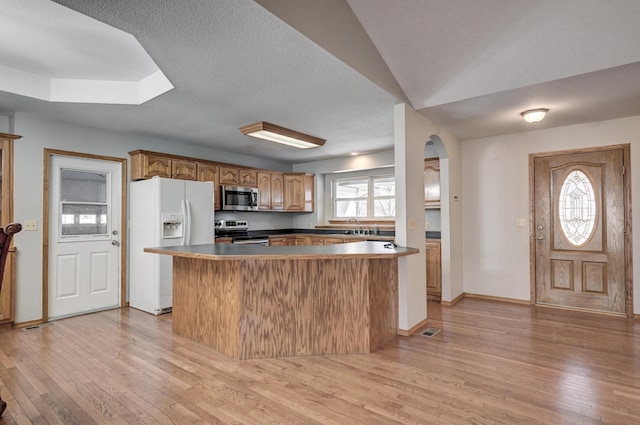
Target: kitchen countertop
x,y
366,249
367,238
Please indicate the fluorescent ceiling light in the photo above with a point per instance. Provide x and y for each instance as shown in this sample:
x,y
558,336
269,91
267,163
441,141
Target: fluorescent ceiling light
x,y
534,115
275,133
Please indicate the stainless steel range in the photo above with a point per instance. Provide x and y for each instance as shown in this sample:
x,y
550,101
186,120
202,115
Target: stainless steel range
x,y
238,230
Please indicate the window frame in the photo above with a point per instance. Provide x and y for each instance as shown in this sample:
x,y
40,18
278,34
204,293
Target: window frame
x,y
369,175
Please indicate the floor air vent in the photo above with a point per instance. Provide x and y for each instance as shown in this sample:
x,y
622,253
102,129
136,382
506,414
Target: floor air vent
x,y
41,325
430,332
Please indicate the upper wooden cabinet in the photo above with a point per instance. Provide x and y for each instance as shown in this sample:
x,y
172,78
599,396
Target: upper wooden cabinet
x,y
145,165
298,192
264,191
233,175
432,183
210,172
183,170
270,191
7,295
277,191
293,192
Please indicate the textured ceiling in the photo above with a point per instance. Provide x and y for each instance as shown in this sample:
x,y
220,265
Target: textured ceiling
x,y
233,63
470,66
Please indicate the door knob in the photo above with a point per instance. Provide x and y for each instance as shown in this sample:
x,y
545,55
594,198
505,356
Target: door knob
x,y
115,243
114,233
539,234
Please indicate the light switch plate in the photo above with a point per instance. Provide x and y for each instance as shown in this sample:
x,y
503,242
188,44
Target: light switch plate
x,y
521,222
30,225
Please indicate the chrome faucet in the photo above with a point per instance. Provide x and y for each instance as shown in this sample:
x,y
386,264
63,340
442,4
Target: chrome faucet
x,y
359,232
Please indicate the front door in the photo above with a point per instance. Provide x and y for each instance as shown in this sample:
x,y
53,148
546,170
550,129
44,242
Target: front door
x,y
84,235
579,221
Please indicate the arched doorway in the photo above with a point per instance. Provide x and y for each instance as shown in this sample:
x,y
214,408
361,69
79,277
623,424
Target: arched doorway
x,y
437,220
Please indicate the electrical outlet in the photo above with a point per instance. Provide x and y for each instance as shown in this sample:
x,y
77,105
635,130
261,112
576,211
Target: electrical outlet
x,y
30,225
426,225
412,224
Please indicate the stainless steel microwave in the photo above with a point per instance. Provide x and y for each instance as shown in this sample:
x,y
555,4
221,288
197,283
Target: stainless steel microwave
x,y
239,198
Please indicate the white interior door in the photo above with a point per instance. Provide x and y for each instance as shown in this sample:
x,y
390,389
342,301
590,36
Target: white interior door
x,y
84,235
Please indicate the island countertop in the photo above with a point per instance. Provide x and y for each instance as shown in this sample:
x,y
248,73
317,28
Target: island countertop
x,y
366,249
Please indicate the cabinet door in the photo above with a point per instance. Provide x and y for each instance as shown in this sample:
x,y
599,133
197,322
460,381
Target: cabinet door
x,y
316,240
434,285
277,241
332,241
432,183
208,172
308,193
229,175
156,165
183,169
264,191
298,192
302,241
277,192
248,177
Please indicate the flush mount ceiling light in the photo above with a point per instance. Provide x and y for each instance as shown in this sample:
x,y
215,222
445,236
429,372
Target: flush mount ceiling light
x,y
275,133
534,115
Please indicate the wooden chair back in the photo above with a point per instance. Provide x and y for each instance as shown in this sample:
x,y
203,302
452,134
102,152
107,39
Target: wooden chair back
x,y
6,235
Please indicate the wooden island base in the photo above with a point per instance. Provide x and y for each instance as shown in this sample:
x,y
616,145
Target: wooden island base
x,y
257,308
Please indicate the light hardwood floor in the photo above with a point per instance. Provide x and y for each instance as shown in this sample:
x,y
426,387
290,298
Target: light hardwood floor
x,y
493,363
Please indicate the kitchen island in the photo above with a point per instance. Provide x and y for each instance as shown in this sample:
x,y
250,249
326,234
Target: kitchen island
x,y
251,301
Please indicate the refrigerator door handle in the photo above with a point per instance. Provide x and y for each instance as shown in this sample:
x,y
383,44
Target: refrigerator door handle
x,y
188,220
183,206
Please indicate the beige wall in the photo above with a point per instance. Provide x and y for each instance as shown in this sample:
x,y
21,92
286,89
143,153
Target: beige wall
x,y
495,192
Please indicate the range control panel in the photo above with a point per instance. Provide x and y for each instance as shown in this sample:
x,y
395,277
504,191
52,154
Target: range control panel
x,y
231,224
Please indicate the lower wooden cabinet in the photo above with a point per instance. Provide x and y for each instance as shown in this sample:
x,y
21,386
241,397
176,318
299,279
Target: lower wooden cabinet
x,y
278,241
333,241
434,267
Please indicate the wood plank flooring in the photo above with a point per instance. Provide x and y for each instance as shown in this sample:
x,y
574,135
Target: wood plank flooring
x,y
493,363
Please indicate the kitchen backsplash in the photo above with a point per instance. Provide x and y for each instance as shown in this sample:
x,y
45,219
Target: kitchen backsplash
x,y
262,221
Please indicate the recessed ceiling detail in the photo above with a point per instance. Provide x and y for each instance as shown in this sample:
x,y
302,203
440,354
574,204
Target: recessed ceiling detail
x,y
52,53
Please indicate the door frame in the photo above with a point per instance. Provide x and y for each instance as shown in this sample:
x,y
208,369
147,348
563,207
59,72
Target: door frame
x,y
628,237
48,153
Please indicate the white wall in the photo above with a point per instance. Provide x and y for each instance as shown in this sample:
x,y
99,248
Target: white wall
x,y
4,123
38,133
412,130
495,192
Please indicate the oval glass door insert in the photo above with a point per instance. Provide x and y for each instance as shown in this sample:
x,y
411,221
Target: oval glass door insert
x,y
577,208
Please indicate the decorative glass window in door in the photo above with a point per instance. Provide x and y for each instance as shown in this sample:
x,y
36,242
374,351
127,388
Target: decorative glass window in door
x,y
577,208
83,203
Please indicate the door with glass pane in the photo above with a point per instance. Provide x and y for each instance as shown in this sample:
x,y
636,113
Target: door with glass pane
x,y
579,230
84,249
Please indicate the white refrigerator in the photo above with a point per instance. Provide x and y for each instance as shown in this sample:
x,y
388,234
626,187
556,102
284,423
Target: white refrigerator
x,y
164,212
